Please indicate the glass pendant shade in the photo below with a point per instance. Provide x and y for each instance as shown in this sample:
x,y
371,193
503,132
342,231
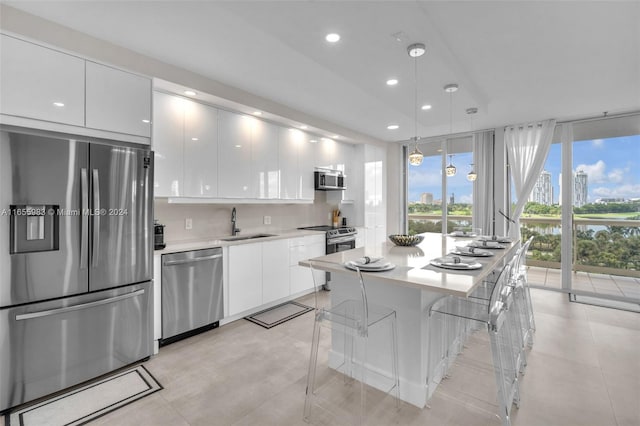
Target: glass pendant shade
x,y
451,169
471,176
415,158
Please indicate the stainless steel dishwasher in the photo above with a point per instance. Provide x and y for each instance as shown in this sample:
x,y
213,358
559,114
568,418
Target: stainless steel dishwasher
x,y
191,293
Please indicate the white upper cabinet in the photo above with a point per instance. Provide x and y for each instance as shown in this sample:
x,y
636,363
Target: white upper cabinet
x,y
234,150
306,154
200,150
41,83
288,143
327,157
117,101
264,160
296,158
168,137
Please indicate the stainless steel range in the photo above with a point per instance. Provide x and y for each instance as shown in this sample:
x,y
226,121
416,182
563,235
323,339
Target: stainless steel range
x,y
338,239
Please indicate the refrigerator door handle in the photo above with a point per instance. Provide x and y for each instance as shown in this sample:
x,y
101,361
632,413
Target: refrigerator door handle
x,y
84,220
195,259
96,219
50,312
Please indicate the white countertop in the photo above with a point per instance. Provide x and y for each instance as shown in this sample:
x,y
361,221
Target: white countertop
x,y
412,264
219,241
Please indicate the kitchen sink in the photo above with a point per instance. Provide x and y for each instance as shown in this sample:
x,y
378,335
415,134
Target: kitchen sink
x,y
248,237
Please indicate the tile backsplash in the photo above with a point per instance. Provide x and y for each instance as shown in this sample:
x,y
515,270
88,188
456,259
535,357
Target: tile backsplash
x,y
214,220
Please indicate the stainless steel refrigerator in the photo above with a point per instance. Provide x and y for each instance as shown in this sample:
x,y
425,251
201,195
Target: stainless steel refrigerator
x,y
76,227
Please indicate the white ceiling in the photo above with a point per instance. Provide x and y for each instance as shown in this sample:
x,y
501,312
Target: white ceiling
x,y
515,61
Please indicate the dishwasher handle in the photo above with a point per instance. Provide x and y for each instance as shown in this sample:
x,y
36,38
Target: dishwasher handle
x,y
195,259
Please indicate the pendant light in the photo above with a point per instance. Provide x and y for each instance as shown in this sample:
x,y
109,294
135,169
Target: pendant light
x,y
450,89
472,175
415,51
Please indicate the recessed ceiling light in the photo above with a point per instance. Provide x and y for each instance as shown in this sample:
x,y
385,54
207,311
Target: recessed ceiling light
x,y
335,136
58,104
451,87
189,93
257,113
238,146
146,121
194,139
426,107
303,127
393,127
392,82
313,141
332,37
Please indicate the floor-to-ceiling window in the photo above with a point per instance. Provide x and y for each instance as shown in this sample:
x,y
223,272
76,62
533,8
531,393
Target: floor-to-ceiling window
x,y
428,192
601,214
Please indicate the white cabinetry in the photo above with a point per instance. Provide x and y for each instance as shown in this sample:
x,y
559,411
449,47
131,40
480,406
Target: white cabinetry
x,y
375,208
186,147
275,270
200,150
300,249
47,89
117,101
245,277
41,83
234,150
168,135
296,158
265,179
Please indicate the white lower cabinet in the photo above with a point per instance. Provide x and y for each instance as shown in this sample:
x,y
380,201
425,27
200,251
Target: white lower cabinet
x,y
262,273
300,278
245,277
275,270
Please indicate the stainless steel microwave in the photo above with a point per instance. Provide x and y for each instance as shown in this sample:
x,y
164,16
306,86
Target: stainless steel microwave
x,y
329,180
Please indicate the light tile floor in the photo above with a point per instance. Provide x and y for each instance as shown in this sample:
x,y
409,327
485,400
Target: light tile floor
x,y
604,284
584,369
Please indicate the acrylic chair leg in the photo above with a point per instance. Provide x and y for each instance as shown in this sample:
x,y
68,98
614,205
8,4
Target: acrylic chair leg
x,y
363,378
348,355
394,348
311,374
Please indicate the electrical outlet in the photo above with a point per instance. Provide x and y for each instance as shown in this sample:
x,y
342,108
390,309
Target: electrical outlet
x,y
266,220
188,223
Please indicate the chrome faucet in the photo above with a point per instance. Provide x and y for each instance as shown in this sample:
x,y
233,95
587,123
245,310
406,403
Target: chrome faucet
x,y
234,230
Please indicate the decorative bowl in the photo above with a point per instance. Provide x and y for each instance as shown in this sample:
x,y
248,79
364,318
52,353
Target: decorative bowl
x,y
406,240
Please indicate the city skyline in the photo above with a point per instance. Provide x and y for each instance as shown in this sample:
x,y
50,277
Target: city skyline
x,y
613,167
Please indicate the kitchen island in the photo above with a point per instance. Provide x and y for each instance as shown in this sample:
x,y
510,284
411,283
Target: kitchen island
x,y
410,288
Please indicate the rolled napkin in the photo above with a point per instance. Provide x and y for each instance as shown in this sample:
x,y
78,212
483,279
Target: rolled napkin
x,y
450,260
365,260
466,249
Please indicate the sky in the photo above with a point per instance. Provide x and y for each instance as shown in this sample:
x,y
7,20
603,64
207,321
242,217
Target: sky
x,y
612,166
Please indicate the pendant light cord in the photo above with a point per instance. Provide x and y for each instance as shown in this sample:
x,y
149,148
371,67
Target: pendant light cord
x,y
415,99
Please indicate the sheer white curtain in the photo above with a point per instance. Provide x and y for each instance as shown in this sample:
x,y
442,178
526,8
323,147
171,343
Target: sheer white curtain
x,y
483,146
527,148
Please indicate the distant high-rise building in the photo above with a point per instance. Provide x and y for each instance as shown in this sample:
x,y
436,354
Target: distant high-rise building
x,y
580,189
542,192
426,198
452,199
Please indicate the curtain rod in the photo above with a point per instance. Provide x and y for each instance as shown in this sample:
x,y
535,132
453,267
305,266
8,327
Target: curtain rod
x,y
577,120
604,116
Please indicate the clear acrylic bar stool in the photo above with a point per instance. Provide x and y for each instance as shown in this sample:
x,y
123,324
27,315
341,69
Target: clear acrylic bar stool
x,y
354,318
448,312
521,283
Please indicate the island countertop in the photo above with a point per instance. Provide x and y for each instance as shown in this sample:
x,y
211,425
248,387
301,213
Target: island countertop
x,y
412,264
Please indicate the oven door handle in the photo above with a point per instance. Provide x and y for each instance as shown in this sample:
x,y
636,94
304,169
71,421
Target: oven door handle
x,y
341,240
